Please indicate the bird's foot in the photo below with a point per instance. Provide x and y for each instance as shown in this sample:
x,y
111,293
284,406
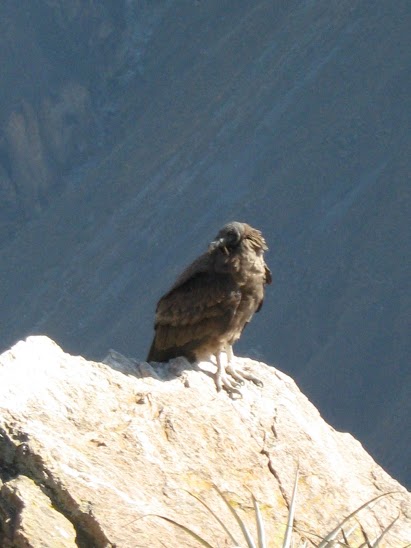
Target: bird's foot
x,y
240,375
222,380
231,378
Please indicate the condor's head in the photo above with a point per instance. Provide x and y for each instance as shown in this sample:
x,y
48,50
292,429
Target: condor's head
x,y
233,234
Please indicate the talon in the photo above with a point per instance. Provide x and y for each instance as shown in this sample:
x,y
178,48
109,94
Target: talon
x,y
235,395
242,376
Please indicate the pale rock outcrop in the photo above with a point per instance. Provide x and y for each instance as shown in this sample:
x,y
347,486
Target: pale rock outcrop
x,y
38,523
99,449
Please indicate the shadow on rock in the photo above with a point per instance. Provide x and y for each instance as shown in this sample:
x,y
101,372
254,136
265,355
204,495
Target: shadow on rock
x,y
140,369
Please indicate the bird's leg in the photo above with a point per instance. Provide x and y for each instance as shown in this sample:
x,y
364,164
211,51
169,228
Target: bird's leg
x,y
239,375
230,353
223,381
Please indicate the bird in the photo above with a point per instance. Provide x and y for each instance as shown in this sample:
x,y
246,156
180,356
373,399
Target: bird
x,y
207,308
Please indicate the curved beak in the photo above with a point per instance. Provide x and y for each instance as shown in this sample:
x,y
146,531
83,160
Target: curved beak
x,y
220,243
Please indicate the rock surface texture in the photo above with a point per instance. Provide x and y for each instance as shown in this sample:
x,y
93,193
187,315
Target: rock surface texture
x,y
90,452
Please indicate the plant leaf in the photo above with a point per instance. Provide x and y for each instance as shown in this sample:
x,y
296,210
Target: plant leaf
x,y
379,539
260,524
345,537
240,522
334,532
186,529
291,511
364,534
236,543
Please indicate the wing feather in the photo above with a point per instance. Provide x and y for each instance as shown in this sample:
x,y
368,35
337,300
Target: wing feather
x,y
198,308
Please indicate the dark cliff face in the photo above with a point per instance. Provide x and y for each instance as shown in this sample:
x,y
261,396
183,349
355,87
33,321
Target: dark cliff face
x,y
140,131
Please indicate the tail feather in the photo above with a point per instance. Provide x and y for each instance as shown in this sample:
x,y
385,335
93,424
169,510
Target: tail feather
x,y
156,354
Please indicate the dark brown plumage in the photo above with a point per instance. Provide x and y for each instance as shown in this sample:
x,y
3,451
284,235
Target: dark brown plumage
x,y
206,310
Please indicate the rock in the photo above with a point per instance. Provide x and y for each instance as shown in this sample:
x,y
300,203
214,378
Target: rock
x,y
67,121
103,448
25,148
40,145
28,517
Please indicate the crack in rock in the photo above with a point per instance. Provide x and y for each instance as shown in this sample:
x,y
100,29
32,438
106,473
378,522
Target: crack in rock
x,y
277,477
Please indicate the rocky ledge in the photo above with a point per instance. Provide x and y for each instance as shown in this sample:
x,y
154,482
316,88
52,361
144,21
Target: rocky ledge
x,y
91,454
